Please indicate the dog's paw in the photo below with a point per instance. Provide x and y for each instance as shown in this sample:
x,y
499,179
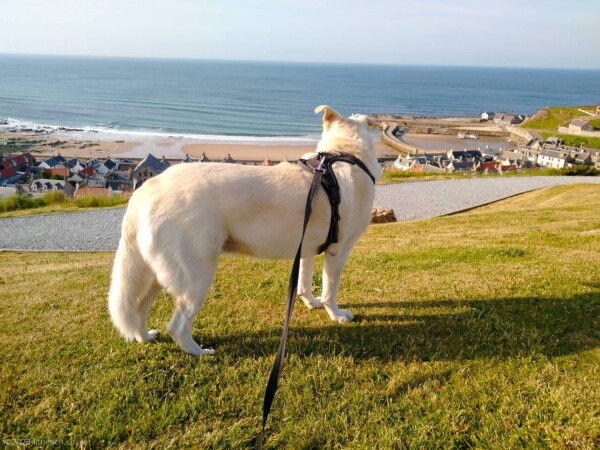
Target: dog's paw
x,y
343,316
148,336
207,351
312,303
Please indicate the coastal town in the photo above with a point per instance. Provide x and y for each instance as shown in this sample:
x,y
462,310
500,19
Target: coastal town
x,y
506,146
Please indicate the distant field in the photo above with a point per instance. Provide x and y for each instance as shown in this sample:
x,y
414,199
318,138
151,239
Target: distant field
x,y
476,330
556,116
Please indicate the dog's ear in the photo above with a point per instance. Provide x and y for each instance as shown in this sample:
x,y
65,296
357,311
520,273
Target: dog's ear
x,y
329,115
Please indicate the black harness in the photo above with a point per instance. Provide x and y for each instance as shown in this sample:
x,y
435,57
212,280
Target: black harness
x,y
325,161
321,167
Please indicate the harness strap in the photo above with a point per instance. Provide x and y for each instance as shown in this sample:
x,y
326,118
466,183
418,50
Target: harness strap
x,y
324,176
331,186
291,296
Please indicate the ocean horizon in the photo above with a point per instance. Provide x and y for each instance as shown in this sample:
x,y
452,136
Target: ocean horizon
x,y
260,102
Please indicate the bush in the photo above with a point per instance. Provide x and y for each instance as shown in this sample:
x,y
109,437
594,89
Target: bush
x,y
95,202
584,170
54,197
20,201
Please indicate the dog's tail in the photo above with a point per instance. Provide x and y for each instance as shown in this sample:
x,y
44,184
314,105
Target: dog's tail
x,y
130,281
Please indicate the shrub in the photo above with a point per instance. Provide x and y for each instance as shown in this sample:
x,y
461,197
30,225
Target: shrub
x,y
20,201
94,201
54,197
585,170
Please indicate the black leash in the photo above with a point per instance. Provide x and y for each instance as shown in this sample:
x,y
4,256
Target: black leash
x,y
291,297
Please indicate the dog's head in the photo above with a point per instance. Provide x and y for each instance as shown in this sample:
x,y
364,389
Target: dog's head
x,y
341,130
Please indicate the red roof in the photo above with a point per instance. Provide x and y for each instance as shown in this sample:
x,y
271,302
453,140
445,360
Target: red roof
x,y
8,172
20,159
87,172
489,165
60,171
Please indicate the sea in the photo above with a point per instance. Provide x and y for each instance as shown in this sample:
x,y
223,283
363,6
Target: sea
x,y
259,102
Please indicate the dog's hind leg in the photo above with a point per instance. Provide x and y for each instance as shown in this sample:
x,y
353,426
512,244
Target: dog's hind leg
x,y
144,305
132,291
332,271
305,283
190,291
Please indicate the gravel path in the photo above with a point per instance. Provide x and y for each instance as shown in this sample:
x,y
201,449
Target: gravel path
x,y
100,229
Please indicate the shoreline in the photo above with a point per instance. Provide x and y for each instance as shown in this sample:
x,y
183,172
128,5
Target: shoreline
x,y
173,148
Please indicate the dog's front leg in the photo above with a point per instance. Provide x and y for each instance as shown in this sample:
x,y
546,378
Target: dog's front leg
x,y
332,271
305,283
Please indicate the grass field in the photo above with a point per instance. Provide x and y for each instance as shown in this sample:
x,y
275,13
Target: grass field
x,y
19,205
556,116
475,330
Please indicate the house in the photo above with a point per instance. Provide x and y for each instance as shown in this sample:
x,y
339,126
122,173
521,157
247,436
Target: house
x,y
577,126
464,155
22,161
74,165
228,159
187,159
147,168
105,167
97,180
402,163
581,158
489,167
487,115
461,166
509,119
43,185
59,170
204,158
52,162
119,180
554,158
15,167
111,164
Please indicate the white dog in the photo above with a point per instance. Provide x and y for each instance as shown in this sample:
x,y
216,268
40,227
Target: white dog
x,y
178,223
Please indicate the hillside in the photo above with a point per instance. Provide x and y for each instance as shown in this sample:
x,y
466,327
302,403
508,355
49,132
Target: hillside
x,y
549,119
546,121
474,330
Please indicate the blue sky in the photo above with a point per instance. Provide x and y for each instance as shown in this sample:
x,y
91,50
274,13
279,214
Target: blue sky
x,y
526,33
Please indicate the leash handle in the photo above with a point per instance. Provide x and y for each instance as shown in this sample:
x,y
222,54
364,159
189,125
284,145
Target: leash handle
x,y
291,297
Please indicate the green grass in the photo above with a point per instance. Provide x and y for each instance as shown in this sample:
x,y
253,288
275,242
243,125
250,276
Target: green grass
x,y
595,123
475,330
19,205
556,116
402,175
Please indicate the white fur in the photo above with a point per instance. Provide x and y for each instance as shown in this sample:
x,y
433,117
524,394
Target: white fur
x,y
178,223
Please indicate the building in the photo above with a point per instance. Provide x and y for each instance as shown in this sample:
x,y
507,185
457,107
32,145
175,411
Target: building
x,y
487,115
577,125
554,158
52,162
148,167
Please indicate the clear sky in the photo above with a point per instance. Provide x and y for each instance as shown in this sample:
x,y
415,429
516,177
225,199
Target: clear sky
x,y
519,33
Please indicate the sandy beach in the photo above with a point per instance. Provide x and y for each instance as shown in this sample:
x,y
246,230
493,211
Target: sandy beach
x,y
170,148
439,142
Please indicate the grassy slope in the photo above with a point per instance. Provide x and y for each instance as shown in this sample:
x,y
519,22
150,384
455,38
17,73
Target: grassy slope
x,y
557,116
480,329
